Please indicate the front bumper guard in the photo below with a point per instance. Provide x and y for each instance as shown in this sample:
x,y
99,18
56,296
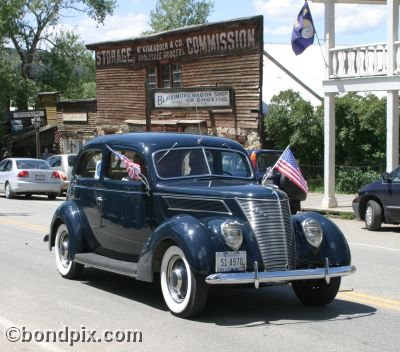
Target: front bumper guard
x,y
257,277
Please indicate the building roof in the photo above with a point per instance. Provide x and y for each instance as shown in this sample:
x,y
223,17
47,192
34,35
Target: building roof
x,y
369,2
178,31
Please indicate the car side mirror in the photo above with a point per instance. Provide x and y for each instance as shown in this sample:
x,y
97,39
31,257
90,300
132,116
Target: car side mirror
x,y
386,177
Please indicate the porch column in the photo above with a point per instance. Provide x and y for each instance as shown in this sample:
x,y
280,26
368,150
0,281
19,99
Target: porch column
x,y
392,130
392,114
329,200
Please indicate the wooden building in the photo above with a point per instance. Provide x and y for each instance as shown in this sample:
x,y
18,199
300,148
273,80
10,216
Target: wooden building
x,y
205,77
76,122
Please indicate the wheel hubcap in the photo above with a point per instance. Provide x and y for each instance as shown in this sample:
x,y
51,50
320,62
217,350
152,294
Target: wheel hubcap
x,y
177,279
368,216
63,249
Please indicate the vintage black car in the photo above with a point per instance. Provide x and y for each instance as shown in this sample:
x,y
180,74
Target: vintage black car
x,y
193,216
379,201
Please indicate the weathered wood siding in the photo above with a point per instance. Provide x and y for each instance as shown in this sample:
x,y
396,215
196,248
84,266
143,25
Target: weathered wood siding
x,y
71,129
120,95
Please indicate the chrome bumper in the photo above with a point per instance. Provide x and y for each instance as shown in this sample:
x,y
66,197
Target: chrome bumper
x,y
257,277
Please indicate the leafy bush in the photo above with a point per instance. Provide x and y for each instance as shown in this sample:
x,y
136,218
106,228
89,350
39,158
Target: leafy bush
x,y
351,179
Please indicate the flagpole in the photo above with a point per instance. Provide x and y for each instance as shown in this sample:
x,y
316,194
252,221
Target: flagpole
x,y
272,169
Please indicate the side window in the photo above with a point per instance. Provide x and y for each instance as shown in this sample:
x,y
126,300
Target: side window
x,y
54,161
164,76
123,170
89,164
7,166
396,176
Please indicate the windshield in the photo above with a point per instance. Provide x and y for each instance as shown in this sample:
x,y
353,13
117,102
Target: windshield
x,y
189,162
32,164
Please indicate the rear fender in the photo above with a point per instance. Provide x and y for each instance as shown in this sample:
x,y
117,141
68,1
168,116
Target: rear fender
x,y
78,228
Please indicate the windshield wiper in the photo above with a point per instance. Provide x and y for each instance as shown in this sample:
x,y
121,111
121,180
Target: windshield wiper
x,y
166,153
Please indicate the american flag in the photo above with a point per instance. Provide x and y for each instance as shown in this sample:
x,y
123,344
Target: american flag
x,y
287,165
57,136
133,169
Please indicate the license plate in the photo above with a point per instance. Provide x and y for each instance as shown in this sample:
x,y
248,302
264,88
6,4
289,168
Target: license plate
x,y
39,178
230,261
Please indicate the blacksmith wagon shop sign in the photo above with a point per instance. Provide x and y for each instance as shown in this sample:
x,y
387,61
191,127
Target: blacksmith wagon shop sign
x,y
192,98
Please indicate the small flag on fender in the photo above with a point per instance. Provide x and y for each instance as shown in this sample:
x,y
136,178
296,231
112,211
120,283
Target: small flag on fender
x,y
303,30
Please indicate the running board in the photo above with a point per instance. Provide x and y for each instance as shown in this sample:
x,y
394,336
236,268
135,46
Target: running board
x,y
108,264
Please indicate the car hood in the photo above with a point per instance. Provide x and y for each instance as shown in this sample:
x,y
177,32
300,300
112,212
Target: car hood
x,y
223,188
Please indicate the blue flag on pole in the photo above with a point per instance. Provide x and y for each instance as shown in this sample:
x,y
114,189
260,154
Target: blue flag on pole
x,y
303,30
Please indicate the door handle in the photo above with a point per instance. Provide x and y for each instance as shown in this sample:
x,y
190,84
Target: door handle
x,y
99,201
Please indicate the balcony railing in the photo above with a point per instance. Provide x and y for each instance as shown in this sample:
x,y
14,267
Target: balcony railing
x,y
362,60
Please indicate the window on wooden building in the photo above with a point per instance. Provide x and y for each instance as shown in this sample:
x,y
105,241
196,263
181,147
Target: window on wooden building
x,y
164,76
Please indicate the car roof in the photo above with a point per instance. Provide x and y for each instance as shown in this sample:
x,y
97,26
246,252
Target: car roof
x,y
266,151
152,141
62,155
24,159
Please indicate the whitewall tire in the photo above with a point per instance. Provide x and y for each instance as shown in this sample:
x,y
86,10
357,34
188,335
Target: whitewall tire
x,y
66,267
184,291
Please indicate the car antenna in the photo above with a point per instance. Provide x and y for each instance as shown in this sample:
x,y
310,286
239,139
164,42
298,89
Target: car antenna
x,y
200,141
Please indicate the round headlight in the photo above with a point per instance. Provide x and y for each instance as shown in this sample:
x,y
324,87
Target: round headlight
x,y
232,233
313,231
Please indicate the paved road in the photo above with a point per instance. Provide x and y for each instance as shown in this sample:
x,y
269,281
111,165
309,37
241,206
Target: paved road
x,y
364,317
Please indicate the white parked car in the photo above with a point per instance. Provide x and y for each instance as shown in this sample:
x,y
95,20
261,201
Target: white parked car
x,y
64,164
28,176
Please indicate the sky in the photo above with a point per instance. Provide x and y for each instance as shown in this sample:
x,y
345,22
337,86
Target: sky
x,y
355,24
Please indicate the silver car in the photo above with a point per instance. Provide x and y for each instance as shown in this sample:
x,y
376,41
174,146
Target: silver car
x,y
63,163
28,176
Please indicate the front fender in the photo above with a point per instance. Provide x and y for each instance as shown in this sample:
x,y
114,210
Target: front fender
x,y
334,245
187,232
78,229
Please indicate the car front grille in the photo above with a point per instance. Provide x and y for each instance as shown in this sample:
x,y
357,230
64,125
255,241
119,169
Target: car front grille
x,y
271,224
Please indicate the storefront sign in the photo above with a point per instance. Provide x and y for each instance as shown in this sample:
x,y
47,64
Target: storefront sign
x,y
74,117
212,40
26,114
192,98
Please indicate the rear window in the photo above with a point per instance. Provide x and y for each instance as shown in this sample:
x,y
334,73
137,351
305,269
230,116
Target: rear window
x,y
32,164
265,160
71,160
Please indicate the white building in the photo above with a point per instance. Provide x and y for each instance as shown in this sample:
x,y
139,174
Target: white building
x,y
360,68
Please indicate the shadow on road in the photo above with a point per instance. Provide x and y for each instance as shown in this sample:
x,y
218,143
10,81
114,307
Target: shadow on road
x,y
234,307
139,291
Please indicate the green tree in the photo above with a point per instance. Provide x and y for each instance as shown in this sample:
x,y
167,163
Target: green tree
x,y
28,23
67,67
360,128
171,14
293,120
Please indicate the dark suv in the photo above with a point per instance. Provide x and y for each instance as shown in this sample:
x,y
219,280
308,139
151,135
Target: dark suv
x,y
379,201
188,209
